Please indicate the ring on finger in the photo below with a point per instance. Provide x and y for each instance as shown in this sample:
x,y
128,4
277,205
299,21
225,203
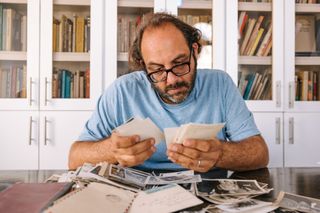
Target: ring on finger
x,y
199,163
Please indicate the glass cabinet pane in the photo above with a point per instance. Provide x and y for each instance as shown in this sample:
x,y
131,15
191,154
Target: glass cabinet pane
x,y
199,15
13,47
130,14
307,51
71,48
255,50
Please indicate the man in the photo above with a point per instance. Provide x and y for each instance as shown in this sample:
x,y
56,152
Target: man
x,y
171,91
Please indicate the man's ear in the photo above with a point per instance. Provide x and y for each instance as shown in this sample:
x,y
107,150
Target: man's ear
x,y
195,47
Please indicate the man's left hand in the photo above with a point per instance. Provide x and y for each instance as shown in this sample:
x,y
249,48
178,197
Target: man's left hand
x,y
195,154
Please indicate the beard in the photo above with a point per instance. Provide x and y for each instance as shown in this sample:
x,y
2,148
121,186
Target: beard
x,y
178,97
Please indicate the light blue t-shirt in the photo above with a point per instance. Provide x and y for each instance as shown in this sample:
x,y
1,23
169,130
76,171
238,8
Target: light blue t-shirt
x,y
214,99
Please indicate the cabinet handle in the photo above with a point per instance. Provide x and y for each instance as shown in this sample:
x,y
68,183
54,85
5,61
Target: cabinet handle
x,y
291,129
30,130
278,92
291,94
45,91
30,91
278,130
45,130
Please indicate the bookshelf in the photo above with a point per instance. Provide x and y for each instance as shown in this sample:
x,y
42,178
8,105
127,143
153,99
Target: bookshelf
x,y
47,123
301,114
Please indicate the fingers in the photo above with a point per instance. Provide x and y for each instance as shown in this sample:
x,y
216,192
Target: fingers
x,y
130,151
191,152
123,141
133,160
137,148
201,145
186,162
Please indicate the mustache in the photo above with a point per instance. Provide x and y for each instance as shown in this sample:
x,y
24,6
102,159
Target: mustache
x,y
177,85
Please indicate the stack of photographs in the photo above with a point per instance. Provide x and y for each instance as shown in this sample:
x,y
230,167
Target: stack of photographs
x,y
229,191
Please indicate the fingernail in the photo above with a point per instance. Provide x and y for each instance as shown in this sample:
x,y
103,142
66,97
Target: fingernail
x,y
137,139
187,143
153,148
152,141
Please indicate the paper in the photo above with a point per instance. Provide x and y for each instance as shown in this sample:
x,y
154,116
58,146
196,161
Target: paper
x,y
192,131
145,128
168,198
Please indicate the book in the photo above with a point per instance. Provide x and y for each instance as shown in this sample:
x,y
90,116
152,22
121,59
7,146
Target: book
x,y
254,36
31,197
96,197
248,31
305,33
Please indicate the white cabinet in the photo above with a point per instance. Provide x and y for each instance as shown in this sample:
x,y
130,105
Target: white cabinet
x,y
50,78
271,128
255,52
302,139
38,141
58,130
19,140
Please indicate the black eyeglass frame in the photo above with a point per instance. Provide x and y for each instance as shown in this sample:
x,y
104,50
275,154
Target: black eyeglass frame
x,y
171,70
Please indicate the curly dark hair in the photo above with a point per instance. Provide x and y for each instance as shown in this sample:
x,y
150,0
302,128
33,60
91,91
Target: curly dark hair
x,y
191,34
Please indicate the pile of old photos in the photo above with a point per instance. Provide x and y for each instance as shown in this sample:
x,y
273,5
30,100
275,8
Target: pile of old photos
x,y
225,195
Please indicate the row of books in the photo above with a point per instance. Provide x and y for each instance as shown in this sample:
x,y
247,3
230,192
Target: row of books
x,y
255,0
127,27
307,34
70,84
307,85
194,19
307,1
13,82
255,35
255,86
71,34
13,29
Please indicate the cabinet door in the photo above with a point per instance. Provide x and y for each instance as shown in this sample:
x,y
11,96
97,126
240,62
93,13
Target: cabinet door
x,y
71,54
208,17
301,132
19,54
255,51
302,45
271,128
19,140
58,130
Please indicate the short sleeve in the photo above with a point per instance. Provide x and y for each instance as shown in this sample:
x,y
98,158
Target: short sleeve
x,y
240,122
102,121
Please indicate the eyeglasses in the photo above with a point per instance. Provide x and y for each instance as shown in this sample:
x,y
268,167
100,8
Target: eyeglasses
x,y
177,70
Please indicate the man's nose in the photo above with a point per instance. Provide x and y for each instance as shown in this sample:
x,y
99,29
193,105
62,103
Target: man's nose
x,y
172,78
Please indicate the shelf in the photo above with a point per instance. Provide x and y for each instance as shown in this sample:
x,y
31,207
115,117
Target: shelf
x,y
249,6
201,4
314,60
255,60
13,55
136,3
66,56
122,56
13,1
72,2
308,8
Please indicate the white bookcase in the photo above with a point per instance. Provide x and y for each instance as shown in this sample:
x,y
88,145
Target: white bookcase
x,y
38,128
47,125
288,125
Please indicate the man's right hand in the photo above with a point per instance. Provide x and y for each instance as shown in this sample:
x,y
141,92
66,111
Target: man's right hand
x,y
129,150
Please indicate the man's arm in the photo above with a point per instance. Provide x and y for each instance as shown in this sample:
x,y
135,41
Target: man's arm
x,y
125,150
202,155
248,154
90,152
